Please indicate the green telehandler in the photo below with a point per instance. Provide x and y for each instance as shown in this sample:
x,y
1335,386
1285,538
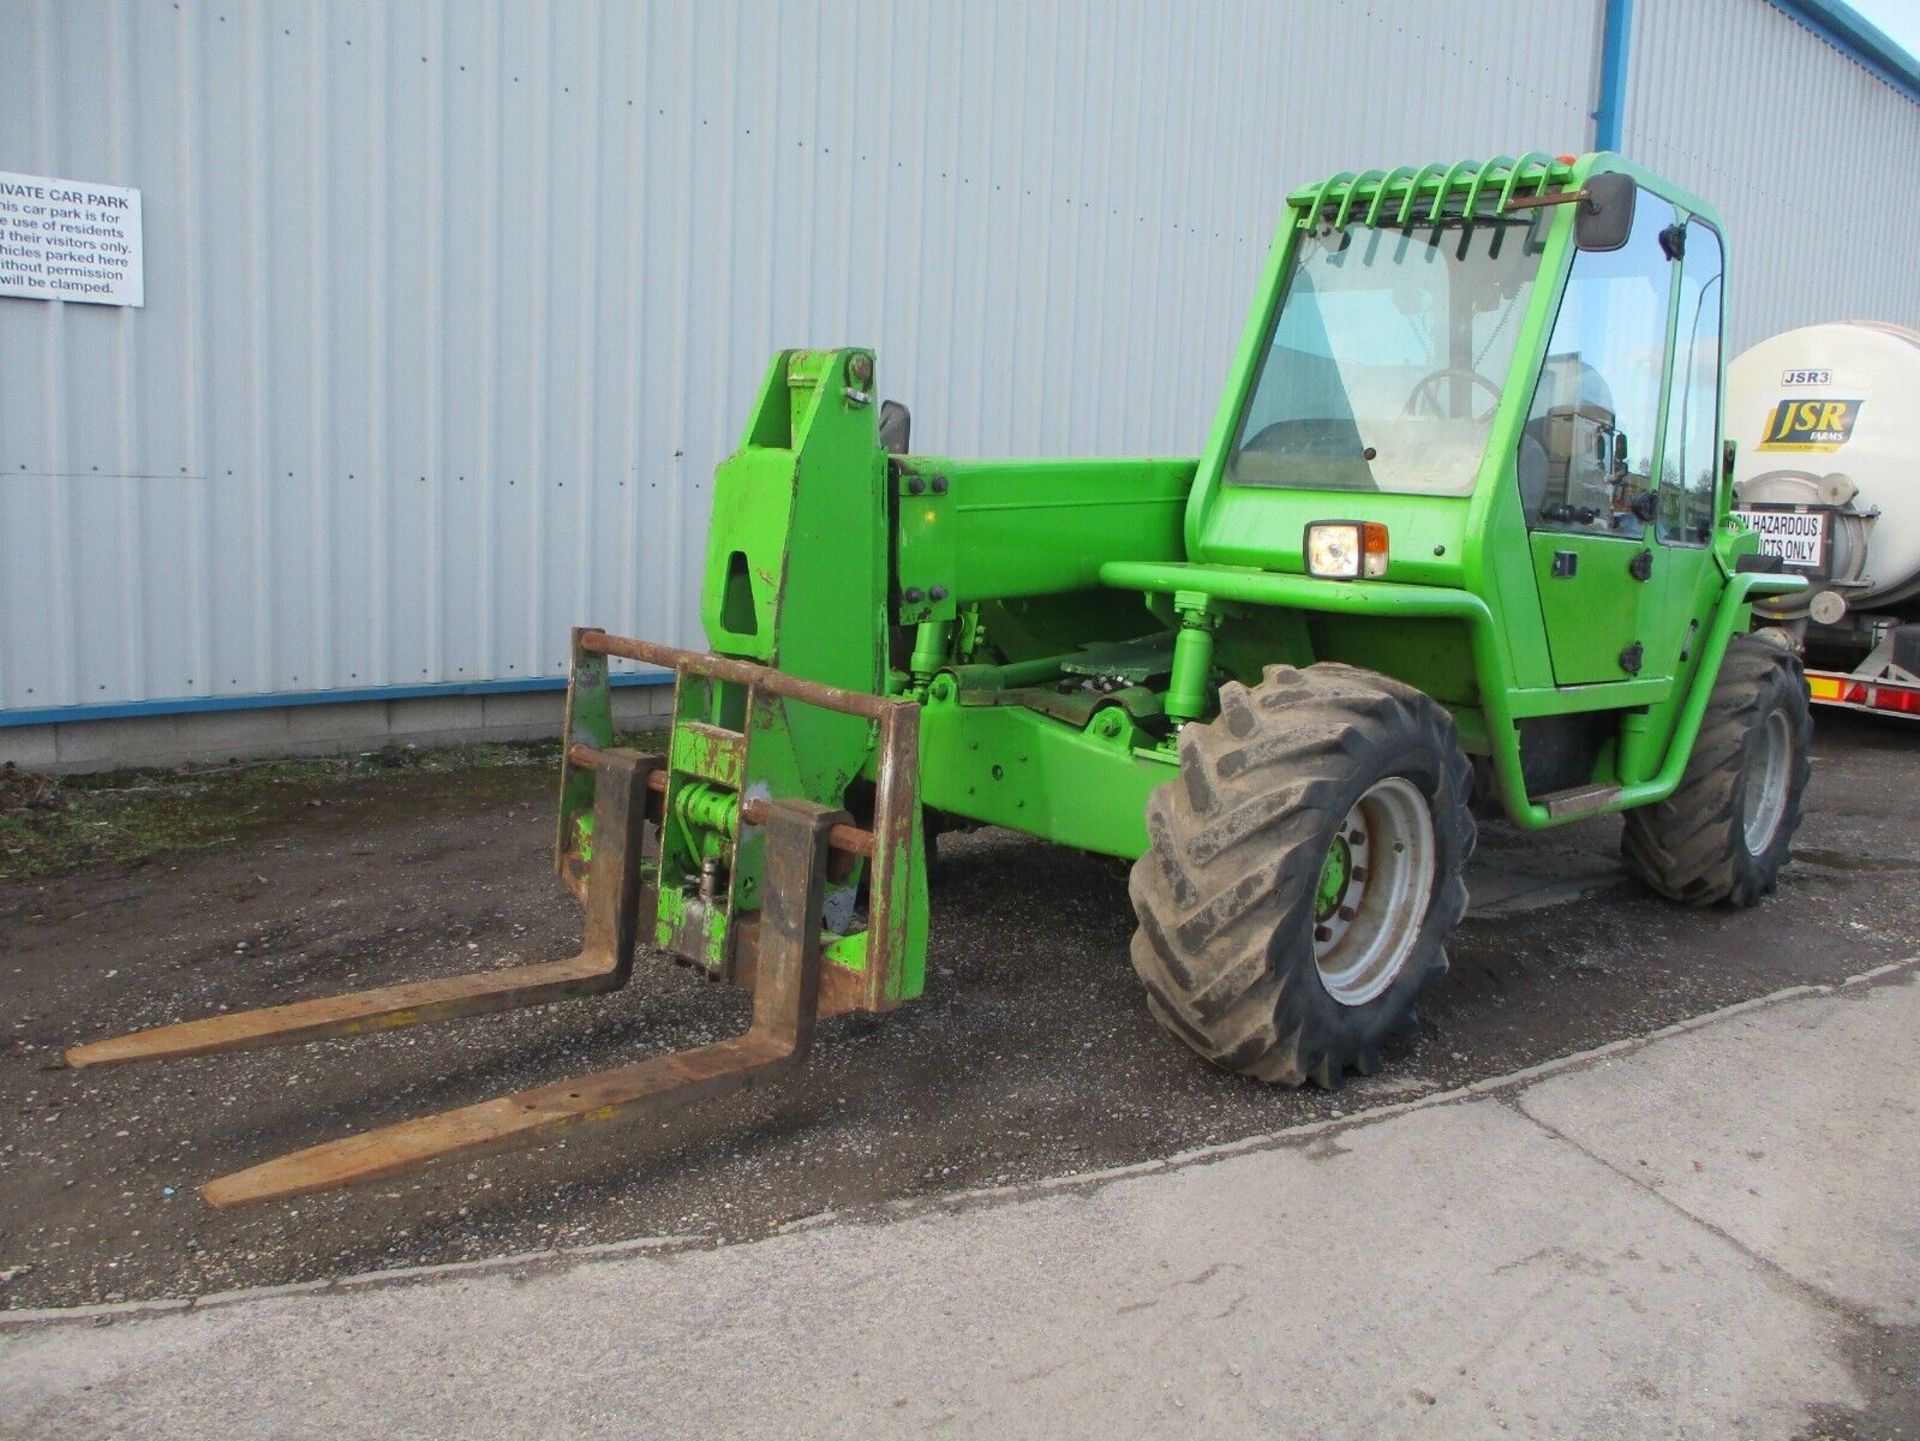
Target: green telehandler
x,y
1459,539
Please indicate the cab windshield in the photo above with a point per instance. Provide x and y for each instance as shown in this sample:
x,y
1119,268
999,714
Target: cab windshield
x,y
1387,360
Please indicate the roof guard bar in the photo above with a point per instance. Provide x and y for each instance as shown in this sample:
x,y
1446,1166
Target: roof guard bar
x,y
1458,168
1371,193
1380,194
1413,190
1502,163
1546,167
1319,201
1353,193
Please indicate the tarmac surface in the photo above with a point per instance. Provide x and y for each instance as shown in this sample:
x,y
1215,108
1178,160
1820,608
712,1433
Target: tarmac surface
x,y
1714,1231
1032,1055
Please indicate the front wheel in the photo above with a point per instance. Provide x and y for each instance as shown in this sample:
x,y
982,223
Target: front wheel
x,y
1304,872
1727,830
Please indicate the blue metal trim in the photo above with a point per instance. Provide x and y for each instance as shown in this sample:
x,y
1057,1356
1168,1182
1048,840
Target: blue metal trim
x,y
188,705
1849,32
1611,115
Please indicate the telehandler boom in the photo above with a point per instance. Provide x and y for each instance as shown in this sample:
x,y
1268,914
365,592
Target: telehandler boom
x,y
1459,537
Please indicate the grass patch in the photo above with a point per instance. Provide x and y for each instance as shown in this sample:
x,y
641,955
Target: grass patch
x,y
50,824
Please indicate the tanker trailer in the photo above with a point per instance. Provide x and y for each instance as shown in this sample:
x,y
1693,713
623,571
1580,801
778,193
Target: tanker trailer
x,y
1827,423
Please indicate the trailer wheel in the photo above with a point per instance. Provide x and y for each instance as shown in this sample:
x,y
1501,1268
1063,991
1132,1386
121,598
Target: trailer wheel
x,y
1727,830
1303,872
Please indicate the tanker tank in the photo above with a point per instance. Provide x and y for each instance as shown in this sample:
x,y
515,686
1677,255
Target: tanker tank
x,y
1826,420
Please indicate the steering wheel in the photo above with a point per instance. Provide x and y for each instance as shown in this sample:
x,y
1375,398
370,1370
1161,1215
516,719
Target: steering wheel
x,y
1427,393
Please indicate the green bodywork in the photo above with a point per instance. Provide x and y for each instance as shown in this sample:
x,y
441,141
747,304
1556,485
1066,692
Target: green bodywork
x,y
1056,621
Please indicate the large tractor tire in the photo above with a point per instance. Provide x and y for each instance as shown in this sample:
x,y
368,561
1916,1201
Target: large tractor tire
x,y
1727,830
1303,873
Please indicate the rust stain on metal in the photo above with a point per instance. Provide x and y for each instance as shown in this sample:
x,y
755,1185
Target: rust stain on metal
x,y
741,672
1535,202
842,991
710,752
359,1012
896,806
753,811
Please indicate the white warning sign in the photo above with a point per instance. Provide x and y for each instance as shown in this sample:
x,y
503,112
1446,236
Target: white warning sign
x,y
1798,537
70,240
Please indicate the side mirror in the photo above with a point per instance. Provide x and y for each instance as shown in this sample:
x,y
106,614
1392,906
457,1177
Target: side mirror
x,y
1605,217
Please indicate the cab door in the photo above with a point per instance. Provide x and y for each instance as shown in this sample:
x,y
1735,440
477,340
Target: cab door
x,y
1590,457
1687,580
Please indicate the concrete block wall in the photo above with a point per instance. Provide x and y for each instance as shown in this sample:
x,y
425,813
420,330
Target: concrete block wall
x,y
209,737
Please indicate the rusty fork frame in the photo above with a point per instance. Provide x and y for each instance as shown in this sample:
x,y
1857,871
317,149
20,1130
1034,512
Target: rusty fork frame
x,y
887,847
786,971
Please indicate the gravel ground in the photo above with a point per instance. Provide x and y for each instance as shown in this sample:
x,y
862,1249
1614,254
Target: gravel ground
x,y
1031,1055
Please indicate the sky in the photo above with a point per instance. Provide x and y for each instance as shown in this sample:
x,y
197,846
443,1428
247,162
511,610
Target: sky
x,y
1899,20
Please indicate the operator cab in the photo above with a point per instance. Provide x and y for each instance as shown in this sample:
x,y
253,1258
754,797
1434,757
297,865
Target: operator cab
x,y
1454,377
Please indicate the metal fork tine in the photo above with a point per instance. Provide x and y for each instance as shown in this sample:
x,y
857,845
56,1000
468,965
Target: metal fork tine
x,y
603,964
519,1119
786,993
357,1013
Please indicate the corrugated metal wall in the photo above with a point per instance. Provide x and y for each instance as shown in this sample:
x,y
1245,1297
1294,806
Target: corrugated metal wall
x,y
452,308
1808,156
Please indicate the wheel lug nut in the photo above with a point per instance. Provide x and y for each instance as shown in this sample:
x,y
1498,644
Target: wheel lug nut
x,y
1323,933
1346,913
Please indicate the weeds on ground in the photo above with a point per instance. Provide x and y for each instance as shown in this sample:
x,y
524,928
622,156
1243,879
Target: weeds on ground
x,y
50,824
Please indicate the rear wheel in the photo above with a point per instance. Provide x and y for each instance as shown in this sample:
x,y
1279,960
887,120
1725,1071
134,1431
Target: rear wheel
x,y
1727,830
1303,873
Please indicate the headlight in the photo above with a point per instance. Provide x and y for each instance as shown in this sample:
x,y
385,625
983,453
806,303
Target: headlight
x,y
1346,549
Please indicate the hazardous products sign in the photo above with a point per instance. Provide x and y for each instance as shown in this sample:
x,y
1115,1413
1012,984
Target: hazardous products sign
x,y
1798,537
70,240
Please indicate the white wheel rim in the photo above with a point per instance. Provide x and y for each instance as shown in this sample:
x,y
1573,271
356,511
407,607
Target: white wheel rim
x,y
1366,927
1765,802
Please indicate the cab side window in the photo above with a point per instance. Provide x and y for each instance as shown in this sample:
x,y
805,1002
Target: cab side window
x,y
1692,455
1587,461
